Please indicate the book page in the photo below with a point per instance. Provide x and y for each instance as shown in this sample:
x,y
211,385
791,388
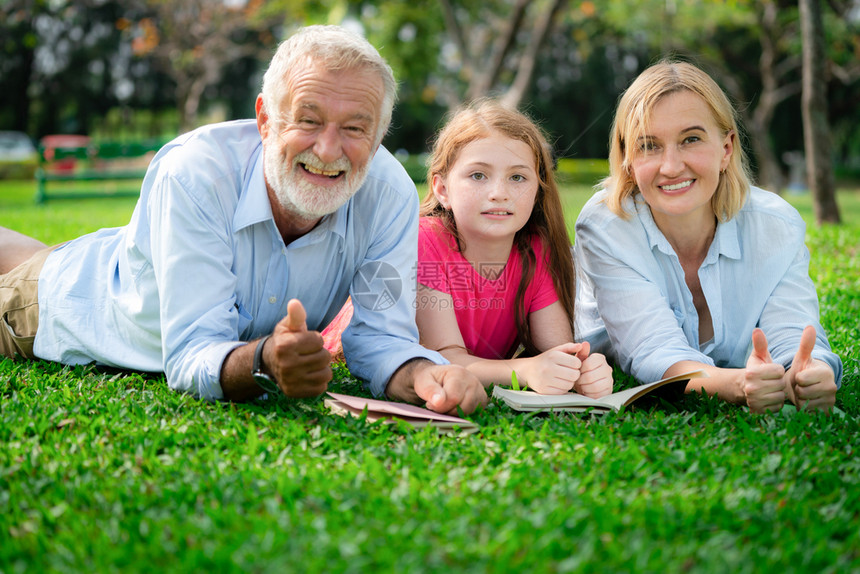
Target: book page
x,y
628,396
532,401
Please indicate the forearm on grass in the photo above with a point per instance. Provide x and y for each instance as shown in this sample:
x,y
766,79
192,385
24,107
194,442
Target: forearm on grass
x,y
727,384
488,371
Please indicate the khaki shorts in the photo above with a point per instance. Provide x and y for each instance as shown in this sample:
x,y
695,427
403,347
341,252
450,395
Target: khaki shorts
x,y
19,306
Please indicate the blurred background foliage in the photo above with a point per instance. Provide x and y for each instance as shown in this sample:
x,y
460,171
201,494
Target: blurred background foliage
x,y
135,69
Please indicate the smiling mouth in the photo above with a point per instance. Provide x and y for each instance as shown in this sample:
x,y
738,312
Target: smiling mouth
x,y
497,212
677,186
323,172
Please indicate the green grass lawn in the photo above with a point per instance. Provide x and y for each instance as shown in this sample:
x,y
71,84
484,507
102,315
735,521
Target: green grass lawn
x,y
113,472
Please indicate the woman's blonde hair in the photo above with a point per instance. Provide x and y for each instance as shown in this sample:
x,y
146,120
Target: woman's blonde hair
x,y
477,121
631,122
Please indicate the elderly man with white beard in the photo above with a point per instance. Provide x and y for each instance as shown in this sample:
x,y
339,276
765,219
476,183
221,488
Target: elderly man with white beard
x,y
246,240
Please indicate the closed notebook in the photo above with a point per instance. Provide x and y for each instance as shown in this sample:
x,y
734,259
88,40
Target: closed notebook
x,y
390,411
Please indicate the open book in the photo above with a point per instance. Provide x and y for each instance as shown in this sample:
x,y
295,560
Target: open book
x,y
672,387
390,411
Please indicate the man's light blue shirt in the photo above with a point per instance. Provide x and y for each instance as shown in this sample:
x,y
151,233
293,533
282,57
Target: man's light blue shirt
x,y
634,304
201,268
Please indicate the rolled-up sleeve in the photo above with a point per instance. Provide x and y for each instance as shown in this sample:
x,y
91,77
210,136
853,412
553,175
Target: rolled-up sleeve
x,y
793,305
383,335
192,259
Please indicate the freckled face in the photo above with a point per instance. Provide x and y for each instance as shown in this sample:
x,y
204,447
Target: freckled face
x,y
677,163
491,188
318,151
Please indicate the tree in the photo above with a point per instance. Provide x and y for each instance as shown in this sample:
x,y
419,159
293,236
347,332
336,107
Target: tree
x,y
543,26
444,52
18,41
194,41
749,49
587,63
496,40
60,63
777,67
816,126
842,42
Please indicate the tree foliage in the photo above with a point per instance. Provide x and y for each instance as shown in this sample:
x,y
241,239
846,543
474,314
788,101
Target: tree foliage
x,y
61,62
67,64
195,41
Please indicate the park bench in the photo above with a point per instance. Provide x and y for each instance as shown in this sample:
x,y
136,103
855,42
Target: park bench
x,y
71,168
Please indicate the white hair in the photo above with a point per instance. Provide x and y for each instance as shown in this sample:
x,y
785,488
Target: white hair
x,y
333,48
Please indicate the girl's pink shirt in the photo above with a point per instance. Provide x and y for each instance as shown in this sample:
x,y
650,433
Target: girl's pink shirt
x,y
485,308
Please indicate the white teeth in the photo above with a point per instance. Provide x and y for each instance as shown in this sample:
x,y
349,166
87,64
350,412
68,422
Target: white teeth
x,y
497,212
677,186
316,171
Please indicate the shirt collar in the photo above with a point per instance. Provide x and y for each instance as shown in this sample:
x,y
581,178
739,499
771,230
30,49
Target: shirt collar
x,y
725,239
332,224
726,242
254,207
652,232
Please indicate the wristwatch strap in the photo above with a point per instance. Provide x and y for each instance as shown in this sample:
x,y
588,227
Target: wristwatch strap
x,y
260,377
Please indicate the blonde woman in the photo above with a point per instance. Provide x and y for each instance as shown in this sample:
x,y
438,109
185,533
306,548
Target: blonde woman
x,y
685,265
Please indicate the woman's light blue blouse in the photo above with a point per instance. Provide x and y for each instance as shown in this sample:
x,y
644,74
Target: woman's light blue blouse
x,y
633,304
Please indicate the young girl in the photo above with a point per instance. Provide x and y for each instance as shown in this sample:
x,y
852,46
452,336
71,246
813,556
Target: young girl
x,y
494,261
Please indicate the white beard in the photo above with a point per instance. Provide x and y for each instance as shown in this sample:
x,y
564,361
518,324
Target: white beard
x,y
302,197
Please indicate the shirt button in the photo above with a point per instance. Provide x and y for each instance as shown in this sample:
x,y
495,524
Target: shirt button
x,y
273,299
